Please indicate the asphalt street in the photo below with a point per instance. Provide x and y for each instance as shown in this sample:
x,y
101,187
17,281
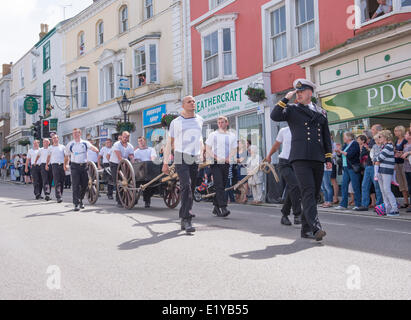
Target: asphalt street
x,y
47,251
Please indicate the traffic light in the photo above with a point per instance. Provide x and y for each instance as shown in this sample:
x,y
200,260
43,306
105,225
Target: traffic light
x,y
45,129
36,131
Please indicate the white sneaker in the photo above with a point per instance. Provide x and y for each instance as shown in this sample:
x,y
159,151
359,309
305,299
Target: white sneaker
x,y
340,208
355,208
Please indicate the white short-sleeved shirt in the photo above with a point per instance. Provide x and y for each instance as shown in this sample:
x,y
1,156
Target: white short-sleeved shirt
x,y
145,154
57,154
43,155
125,151
187,134
104,152
284,136
92,156
32,155
221,143
384,8
78,151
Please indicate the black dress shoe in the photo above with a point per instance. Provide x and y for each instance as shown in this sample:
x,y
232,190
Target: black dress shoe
x,y
59,200
47,198
216,211
147,205
76,207
319,235
38,197
224,212
307,235
285,221
361,209
187,226
297,220
82,205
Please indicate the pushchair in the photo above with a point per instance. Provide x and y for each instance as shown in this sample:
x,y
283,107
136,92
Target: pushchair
x,y
204,189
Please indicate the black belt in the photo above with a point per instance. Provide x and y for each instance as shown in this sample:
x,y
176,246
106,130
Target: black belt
x,y
79,164
57,164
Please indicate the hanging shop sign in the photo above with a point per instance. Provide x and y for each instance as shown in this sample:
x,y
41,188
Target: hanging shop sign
x,y
31,106
385,97
153,116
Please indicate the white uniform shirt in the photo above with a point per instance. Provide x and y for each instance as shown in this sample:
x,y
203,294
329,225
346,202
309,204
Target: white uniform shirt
x,y
32,155
57,154
92,156
145,154
222,143
78,151
125,151
187,134
284,136
104,152
43,155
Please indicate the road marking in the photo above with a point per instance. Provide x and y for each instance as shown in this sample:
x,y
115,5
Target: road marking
x,y
334,224
394,231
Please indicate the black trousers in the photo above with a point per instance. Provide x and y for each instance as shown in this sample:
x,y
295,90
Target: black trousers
x,y
107,177
59,176
47,178
186,168
220,178
79,177
67,181
293,194
113,168
309,176
37,181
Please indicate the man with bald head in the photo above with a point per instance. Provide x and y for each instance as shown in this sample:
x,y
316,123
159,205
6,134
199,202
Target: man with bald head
x,y
186,139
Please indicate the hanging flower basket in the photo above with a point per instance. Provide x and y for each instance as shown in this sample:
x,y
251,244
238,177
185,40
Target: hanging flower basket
x,y
167,118
7,149
314,100
255,94
24,142
125,126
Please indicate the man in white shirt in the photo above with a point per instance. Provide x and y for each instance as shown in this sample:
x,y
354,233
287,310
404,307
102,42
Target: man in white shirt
x,y
186,140
35,169
55,159
293,194
76,152
103,162
221,147
141,154
91,155
46,175
122,149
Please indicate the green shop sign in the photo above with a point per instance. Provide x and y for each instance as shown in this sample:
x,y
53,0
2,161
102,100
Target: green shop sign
x,y
369,101
31,106
224,103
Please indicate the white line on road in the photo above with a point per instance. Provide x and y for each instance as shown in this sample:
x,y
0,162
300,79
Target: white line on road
x,y
394,231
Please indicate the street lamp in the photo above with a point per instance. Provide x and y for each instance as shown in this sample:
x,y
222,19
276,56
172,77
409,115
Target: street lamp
x,y
124,105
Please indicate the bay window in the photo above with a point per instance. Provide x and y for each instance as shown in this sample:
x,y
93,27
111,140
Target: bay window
x,y
146,64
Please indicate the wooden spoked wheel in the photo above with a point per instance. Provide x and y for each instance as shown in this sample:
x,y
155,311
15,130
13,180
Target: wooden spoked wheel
x,y
126,184
93,183
172,195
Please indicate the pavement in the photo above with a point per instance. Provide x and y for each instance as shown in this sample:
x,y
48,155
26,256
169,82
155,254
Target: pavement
x,y
50,252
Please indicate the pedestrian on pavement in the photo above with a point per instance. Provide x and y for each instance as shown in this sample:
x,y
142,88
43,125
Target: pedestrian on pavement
x,y
257,178
386,163
407,165
310,148
350,153
46,173
399,132
35,169
335,172
3,167
293,194
186,140
27,175
55,162
103,162
122,149
221,151
327,188
76,153
243,154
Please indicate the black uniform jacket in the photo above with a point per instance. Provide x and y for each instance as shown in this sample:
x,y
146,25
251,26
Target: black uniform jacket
x,y
311,139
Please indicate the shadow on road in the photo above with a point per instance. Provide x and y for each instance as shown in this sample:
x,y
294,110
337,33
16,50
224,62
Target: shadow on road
x,y
156,238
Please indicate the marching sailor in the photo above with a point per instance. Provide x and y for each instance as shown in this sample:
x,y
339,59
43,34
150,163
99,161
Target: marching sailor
x,y
310,148
76,152
55,160
46,174
35,169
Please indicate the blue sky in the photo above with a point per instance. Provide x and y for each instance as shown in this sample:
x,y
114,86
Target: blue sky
x,y
21,19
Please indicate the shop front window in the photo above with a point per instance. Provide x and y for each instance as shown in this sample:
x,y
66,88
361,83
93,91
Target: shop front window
x,y
156,138
251,128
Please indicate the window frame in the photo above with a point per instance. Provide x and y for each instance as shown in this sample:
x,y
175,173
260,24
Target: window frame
x,y
81,51
22,78
145,16
100,33
212,4
278,35
146,45
46,94
46,59
121,19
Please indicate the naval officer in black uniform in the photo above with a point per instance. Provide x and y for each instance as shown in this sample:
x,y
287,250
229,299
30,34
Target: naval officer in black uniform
x,y
310,148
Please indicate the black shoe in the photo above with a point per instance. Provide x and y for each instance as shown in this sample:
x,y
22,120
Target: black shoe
x,y
38,197
297,220
47,198
59,200
82,205
361,209
285,221
307,235
110,197
76,207
319,235
224,212
147,205
216,211
187,226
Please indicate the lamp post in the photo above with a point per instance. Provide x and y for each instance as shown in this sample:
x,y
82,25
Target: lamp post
x,y
124,105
